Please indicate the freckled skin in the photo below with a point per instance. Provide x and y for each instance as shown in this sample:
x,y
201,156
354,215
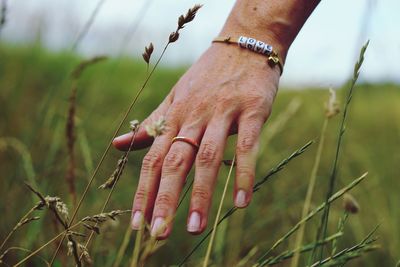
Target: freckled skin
x,y
228,90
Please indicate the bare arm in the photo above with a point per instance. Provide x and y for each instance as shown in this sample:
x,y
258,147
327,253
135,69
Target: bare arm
x,y
227,91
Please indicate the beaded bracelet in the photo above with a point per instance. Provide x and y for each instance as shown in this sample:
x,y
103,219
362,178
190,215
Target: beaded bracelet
x,y
255,46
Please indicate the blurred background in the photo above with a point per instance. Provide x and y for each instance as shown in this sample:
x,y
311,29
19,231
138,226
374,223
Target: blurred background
x,y
42,41
325,49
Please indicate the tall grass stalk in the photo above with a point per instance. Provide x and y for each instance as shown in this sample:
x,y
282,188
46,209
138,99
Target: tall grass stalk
x,y
322,231
174,36
3,12
331,110
122,248
18,225
233,244
22,150
127,112
33,253
125,160
256,187
71,138
221,202
310,190
24,250
87,25
347,254
263,259
302,249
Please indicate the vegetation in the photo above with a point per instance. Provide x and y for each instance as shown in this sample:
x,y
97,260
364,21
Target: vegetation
x,y
35,105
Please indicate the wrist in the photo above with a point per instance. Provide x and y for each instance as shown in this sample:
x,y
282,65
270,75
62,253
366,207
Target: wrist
x,y
274,22
237,29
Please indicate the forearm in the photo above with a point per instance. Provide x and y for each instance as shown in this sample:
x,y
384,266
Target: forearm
x,y
276,22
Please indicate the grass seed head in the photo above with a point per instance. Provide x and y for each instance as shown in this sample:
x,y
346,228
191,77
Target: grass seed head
x,y
102,217
114,177
148,50
55,203
157,127
350,204
182,21
173,37
189,16
85,253
133,125
77,72
332,106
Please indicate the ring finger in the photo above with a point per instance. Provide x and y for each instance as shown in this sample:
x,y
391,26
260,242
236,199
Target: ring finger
x,y
176,167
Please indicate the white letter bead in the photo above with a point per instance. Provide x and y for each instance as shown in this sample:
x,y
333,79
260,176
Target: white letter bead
x,y
267,50
251,43
259,47
242,41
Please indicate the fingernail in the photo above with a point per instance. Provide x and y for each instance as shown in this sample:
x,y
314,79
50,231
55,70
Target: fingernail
x,y
121,137
137,220
194,222
240,200
158,227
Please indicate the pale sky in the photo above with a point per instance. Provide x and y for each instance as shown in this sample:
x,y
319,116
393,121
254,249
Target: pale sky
x,y
322,55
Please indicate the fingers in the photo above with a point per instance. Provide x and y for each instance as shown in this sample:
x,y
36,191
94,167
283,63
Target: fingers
x,y
246,156
208,161
149,179
142,140
176,167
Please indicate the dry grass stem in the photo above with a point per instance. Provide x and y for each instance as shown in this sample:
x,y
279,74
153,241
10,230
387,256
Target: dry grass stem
x,y
20,249
134,125
221,202
322,231
348,254
33,253
71,138
77,72
310,215
103,217
70,124
114,177
87,25
281,165
122,248
22,150
23,221
302,249
331,110
332,105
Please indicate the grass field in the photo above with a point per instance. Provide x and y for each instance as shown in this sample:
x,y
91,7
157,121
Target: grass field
x,y
34,93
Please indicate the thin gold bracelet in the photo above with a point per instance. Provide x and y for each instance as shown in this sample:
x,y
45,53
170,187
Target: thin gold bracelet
x,y
255,46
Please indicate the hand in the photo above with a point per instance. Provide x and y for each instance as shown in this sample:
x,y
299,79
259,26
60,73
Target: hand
x,y
228,90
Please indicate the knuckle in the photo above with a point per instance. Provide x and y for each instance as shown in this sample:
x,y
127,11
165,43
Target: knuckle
x,y
151,160
208,153
245,170
164,200
140,197
247,142
173,160
225,103
200,193
177,106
